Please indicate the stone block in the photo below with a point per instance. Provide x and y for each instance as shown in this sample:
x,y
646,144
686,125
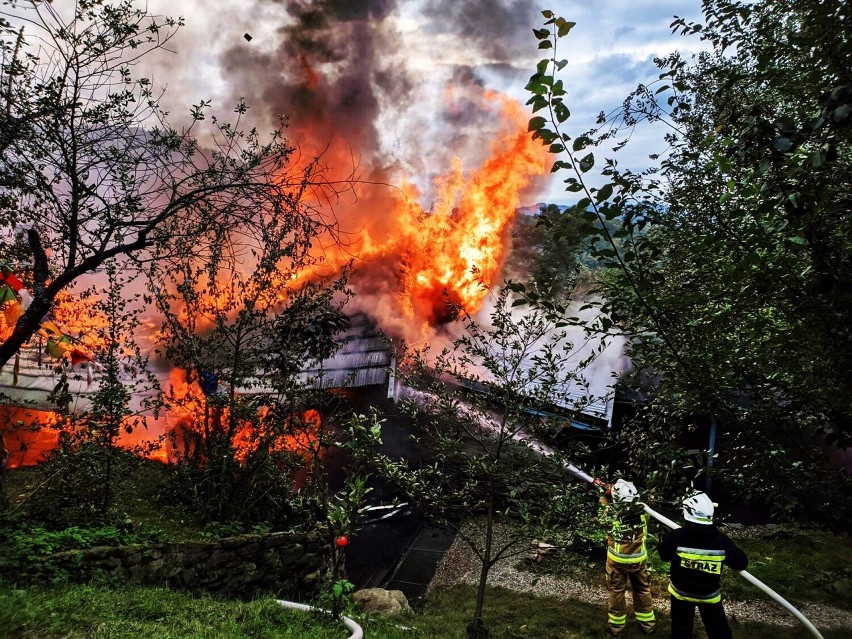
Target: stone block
x,y
275,539
238,541
220,559
152,552
247,550
381,602
131,559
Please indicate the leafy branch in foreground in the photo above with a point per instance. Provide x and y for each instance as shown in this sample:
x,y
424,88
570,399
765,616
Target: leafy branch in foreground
x,y
730,256
92,170
478,404
598,206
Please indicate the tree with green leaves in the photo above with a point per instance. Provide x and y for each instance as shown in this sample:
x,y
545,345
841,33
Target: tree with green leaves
x,y
89,459
244,330
91,168
730,261
477,404
255,420
547,250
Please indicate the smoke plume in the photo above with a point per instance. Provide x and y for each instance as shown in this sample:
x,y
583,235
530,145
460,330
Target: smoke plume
x,y
394,93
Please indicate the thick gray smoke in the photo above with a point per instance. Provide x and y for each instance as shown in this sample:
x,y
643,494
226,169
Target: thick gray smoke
x,y
326,71
380,89
500,28
387,77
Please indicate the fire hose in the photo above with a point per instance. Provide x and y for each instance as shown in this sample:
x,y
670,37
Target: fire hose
x,y
579,474
352,626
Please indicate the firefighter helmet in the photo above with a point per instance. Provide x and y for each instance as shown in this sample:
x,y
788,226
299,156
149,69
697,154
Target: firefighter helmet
x,y
698,508
624,491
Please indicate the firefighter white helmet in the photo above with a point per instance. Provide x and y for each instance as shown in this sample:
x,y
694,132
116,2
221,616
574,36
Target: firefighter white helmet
x,y
698,508
624,491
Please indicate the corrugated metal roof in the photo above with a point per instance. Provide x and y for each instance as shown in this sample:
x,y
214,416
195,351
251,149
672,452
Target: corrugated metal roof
x,y
363,359
354,343
356,360
344,378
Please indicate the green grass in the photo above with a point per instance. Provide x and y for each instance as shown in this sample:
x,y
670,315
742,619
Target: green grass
x,y
76,612
803,567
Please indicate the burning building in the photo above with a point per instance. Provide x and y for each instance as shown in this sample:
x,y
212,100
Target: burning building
x,y
435,161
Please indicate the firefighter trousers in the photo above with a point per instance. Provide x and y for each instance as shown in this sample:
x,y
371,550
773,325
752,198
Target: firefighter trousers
x,y
617,578
712,614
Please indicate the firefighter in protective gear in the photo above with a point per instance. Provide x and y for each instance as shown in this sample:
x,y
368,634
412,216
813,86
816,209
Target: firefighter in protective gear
x,y
627,558
698,552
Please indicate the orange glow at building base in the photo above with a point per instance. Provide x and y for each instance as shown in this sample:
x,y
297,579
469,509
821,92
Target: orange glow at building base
x,y
27,435
30,435
193,420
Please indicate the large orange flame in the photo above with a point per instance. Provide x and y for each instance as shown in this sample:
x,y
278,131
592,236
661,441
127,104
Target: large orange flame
x,y
459,245
450,251
426,258
429,257
298,433
29,435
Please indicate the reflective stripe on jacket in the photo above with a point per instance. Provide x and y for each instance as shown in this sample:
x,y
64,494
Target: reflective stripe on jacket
x,y
698,554
703,559
714,597
626,544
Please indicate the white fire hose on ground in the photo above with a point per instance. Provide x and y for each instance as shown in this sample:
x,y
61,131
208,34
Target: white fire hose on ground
x,y
744,573
352,626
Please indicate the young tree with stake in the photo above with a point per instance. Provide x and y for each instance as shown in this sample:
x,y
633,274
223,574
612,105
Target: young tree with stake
x,y
476,404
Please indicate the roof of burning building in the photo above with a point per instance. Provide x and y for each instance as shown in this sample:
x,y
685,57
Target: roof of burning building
x,y
31,377
363,359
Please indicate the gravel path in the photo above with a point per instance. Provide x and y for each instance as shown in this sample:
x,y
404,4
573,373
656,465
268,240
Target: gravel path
x,y
459,566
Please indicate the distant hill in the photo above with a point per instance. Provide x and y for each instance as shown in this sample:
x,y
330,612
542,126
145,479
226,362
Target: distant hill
x,y
533,209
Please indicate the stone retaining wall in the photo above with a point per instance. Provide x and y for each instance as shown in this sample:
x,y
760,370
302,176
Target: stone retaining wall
x,y
284,564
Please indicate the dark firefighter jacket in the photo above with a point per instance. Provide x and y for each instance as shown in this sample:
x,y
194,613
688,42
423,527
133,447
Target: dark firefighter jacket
x,y
698,553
